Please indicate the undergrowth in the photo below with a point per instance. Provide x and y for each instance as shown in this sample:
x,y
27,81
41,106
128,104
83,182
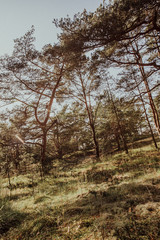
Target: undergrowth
x,y
115,198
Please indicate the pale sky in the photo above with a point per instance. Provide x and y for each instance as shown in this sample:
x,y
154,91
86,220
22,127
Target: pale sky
x,y
17,17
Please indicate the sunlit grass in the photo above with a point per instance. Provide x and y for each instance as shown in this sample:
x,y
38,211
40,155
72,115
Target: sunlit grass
x,y
90,200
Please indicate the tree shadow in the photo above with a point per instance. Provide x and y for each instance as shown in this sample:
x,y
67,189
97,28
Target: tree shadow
x,y
9,218
115,201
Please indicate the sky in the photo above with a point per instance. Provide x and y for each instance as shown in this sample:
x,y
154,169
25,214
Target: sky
x,y
17,17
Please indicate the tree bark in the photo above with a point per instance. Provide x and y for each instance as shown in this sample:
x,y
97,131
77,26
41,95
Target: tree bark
x,y
147,119
91,119
43,152
118,121
139,60
95,140
152,105
118,143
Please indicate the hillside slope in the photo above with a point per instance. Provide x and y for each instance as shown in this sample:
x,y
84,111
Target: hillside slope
x,y
115,198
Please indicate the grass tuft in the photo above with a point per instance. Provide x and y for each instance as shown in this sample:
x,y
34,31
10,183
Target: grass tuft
x,y
9,218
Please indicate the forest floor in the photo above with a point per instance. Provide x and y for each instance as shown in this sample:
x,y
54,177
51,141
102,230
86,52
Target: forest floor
x,y
115,198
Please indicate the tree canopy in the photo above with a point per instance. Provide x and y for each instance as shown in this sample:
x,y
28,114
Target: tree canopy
x,y
95,90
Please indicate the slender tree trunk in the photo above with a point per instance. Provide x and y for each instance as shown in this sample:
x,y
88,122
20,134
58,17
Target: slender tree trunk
x,y
124,140
58,142
118,121
43,152
9,180
91,120
120,128
139,60
147,119
151,131
118,142
17,153
95,140
8,170
152,105
60,153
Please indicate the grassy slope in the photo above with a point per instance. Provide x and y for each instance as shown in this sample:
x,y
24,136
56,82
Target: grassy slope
x,y
116,198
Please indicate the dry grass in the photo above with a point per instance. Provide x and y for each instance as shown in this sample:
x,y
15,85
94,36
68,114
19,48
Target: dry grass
x,y
115,198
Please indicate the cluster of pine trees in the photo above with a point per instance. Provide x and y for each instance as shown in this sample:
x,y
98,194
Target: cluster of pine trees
x,y
96,89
